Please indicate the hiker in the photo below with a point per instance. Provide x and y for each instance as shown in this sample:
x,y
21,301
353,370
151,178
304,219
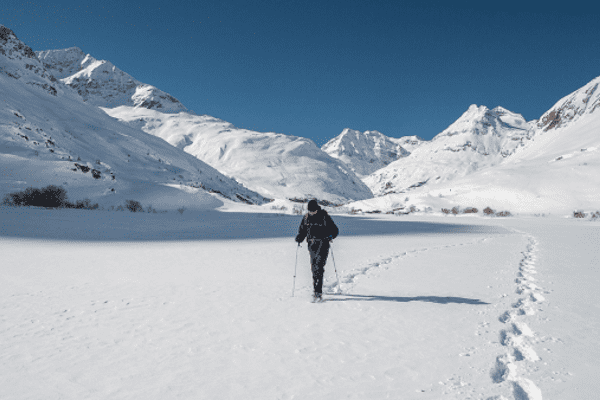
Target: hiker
x,y
319,230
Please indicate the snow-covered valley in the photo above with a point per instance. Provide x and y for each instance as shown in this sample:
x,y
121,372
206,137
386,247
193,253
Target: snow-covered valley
x,y
200,305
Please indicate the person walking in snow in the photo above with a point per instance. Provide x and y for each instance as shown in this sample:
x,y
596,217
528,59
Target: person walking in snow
x,y
319,230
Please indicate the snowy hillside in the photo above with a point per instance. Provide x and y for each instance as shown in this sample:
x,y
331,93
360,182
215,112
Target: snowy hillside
x,y
100,83
49,136
274,165
480,138
557,169
366,152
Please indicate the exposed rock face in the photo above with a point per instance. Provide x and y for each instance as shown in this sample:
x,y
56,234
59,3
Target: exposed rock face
x,y
570,108
20,62
10,43
102,84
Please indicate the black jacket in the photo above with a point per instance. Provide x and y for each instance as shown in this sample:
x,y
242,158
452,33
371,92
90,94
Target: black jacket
x,y
318,226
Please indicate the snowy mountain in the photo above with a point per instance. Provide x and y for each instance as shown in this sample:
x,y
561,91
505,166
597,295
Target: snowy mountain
x,y
480,138
100,83
552,167
366,152
274,165
49,136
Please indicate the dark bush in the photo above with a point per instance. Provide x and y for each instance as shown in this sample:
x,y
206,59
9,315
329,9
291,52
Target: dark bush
x,y
578,214
470,210
455,210
50,197
133,206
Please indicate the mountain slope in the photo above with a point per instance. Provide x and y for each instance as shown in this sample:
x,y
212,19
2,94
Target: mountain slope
x,y
274,165
366,152
556,170
49,136
100,83
480,138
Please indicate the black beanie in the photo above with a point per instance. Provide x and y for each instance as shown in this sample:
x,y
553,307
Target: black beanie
x,y
313,206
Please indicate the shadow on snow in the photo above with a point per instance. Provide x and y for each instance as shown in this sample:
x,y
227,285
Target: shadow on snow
x,y
83,225
428,299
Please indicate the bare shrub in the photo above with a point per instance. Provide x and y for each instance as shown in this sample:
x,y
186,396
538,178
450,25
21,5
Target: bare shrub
x,y
595,215
455,210
120,208
83,205
578,214
133,206
488,211
180,210
503,214
446,211
470,210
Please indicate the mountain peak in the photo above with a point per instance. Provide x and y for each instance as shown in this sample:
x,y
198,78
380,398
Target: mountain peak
x,y
364,152
101,83
10,43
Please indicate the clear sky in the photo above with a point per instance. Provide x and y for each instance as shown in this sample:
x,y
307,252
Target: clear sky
x,y
312,68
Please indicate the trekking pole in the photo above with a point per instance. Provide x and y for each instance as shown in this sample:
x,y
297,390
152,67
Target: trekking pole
x,y
295,265
339,288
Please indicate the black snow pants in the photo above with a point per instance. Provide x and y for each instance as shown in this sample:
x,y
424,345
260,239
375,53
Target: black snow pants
x,y
319,250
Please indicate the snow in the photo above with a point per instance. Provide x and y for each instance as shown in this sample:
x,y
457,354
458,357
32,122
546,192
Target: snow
x,y
365,152
274,165
101,83
479,139
46,130
99,304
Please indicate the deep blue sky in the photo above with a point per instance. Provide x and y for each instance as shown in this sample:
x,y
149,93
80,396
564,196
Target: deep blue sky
x,y
313,68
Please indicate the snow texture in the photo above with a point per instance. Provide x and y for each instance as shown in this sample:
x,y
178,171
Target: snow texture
x,y
128,306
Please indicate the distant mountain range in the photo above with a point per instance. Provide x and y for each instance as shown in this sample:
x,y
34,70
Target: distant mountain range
x,y
51,114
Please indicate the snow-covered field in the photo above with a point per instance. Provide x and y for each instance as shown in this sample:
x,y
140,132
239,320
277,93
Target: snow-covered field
x,y
112,305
